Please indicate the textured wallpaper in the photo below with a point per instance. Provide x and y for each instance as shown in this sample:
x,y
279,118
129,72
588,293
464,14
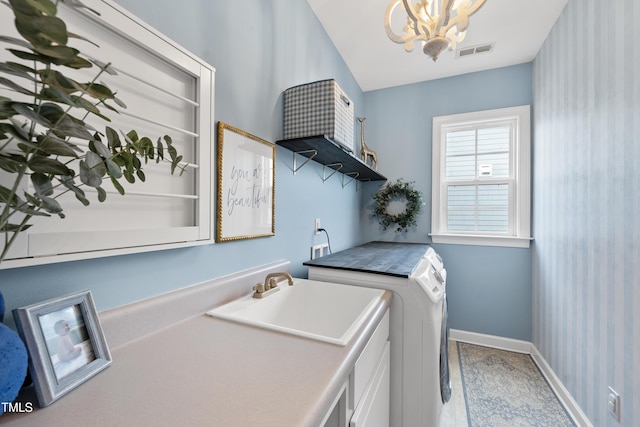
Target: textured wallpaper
x,y
586,205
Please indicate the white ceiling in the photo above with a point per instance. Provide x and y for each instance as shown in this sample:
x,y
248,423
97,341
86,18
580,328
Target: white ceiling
x,y
517,27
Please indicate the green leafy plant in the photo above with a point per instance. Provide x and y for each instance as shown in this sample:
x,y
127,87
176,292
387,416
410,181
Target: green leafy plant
x,y
44,137
400,191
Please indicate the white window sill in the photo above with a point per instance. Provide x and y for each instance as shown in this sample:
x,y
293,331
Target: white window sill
x,y
470,239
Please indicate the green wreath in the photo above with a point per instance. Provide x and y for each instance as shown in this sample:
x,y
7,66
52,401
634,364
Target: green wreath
x,y
395,191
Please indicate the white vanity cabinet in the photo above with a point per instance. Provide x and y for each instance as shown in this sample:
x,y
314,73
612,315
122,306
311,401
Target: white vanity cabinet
x,y
364,401
373,408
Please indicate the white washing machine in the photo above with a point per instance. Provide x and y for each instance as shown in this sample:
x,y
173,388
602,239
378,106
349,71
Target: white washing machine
x,y
419,334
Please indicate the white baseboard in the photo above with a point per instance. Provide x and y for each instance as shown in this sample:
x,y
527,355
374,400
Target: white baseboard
x,y
493,341
560,390
520,346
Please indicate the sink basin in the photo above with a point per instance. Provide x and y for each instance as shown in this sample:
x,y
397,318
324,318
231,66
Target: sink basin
x,y
312,309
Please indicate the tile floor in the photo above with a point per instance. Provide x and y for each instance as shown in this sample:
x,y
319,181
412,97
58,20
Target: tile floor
x,y
454,413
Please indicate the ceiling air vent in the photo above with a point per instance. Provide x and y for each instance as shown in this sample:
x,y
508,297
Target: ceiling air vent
x,y
474,50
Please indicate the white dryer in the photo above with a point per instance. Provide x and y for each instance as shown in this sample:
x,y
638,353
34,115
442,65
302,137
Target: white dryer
x,y
418,327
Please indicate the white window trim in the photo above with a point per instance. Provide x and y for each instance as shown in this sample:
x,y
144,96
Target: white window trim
x,y
521,234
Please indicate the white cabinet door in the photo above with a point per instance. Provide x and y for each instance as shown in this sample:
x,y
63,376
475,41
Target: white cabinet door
x,y
373,410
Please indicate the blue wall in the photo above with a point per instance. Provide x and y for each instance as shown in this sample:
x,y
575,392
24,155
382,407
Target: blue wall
x,y
586,205
259,48
489,289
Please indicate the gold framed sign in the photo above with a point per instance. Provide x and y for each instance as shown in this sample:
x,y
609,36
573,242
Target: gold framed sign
x,y
246,185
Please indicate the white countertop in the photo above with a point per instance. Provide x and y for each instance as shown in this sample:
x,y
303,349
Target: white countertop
x,y
204,371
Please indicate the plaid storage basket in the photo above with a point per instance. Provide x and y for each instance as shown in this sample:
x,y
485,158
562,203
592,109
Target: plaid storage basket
x,y
319,108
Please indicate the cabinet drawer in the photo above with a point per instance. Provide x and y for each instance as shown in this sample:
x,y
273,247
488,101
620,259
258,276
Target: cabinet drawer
x,y
373,410
368,360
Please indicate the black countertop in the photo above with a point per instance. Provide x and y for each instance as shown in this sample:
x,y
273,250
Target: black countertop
x,y
389,258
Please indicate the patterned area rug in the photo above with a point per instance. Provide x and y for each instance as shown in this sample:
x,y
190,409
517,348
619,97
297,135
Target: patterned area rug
x,y
503,388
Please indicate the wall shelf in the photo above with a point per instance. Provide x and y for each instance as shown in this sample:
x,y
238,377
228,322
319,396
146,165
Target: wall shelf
x,y
328,153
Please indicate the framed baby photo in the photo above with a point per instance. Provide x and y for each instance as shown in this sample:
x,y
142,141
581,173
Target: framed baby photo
x,y
65,342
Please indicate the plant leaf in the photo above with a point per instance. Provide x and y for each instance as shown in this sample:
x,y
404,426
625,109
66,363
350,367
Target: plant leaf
x,y
23,7
30,114
63,54
52,93
27,112
5,196
31,56
79,37
77,63
42,184
133,136
120,103
106,105
98,147
12,85
5,108
51,144
105,66
44,6
17,129
42,31
12,163
88,176
117,186
69,183
95,162
48,166
113,169
98,91
159,150
13,40
102,195
57,79
13,228
89,106
174,164
51,205
128,175
17,70
69,126
112,138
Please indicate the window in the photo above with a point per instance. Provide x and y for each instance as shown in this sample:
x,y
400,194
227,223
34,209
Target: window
x,y
481,178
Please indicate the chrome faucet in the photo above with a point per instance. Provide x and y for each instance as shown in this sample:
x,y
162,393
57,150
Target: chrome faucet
x,y
270,284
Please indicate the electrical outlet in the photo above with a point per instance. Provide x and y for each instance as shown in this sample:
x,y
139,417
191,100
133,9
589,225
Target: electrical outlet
x,y
320,250
613,403
317,226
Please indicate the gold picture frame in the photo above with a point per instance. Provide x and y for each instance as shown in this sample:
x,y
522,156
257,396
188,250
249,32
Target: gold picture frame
x,y
246,170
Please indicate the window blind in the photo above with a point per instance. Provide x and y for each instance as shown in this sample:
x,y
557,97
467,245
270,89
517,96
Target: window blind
x,y
478,178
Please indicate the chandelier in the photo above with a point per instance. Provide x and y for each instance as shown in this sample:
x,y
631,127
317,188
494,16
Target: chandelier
x,y
437,24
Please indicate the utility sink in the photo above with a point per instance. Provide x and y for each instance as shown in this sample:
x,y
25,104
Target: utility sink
x,y
322,311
